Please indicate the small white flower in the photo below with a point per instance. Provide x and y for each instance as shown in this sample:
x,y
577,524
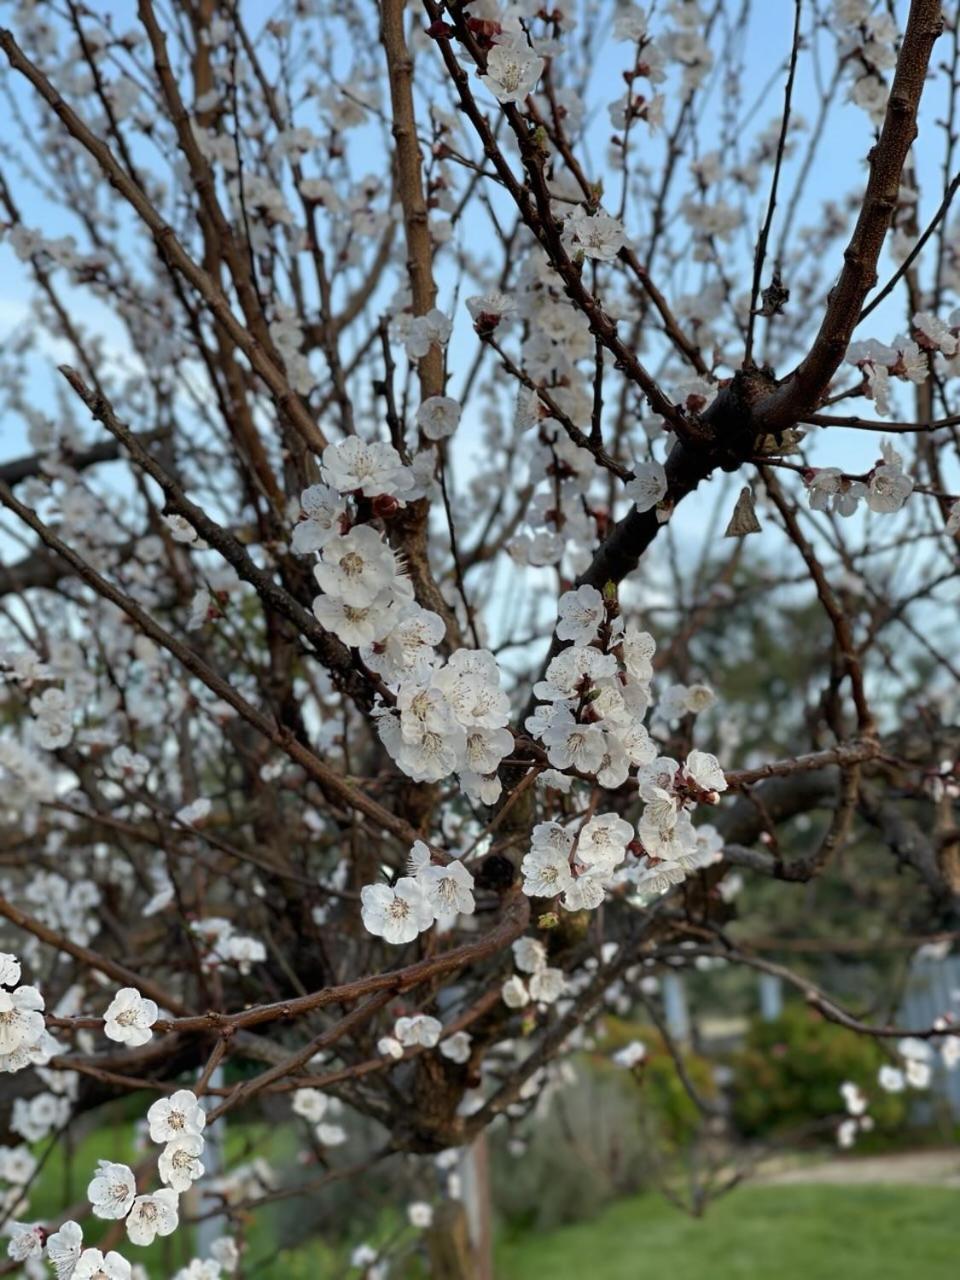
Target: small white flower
x,y
854,1099
580,615
173,1117
424,332
194,813
937,335
547,985
571,745
448,888
438,417
513,70
490,308
587,892
648,487
420,1214
638,650
358,466
63,1249
515,994
630,23
180,1164
546,872
9,969
704,769
918,1074
396,914
129,1017
529,955
323,509
26,1241
357,567
355,625
847,1133
17,1165
891,1079
311,1104
888,490
829,488
631,1054
94,1265
225,1252
181,530
153,1215
420,1029
594,235
112,1190
21,1019
912,1047
199,609
457,1046
603,841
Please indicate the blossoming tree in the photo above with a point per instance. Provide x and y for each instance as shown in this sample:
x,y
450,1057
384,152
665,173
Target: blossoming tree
x,y
385,379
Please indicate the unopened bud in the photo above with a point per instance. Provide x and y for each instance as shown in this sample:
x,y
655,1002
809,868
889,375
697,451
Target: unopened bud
x,y
385,505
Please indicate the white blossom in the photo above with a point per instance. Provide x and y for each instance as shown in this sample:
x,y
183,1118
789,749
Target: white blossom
x,y
130,1017
580,614
513,70
456,1047
112,1190
420,1029
358,466
64,1247
153,1215
173,1117
515,994
438,417
648,487
397,914
94,1265
356,567
180,1164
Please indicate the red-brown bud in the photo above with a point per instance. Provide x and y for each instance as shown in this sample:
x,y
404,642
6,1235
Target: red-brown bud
x,y
385,505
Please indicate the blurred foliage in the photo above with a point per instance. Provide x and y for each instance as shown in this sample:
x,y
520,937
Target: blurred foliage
x,y
671,1116
606,1136
787,1077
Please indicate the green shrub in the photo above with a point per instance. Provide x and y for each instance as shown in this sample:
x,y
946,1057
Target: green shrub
x,y
787,1078
671,1115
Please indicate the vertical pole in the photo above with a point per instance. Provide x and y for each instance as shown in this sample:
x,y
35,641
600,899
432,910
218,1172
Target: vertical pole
x,y
474,1171
210,1229
771,997
675,1007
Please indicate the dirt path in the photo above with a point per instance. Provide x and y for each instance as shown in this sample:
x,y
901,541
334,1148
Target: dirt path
x,y
916,1168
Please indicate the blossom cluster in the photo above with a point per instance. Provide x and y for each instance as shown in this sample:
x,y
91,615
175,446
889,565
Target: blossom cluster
x,y
590,720
541,984
884,489
433,891
420,1030
318,1109
449,717
175,1122
868,46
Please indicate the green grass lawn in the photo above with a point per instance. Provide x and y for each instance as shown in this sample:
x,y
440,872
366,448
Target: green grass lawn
x,y
796,1232
756,1233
